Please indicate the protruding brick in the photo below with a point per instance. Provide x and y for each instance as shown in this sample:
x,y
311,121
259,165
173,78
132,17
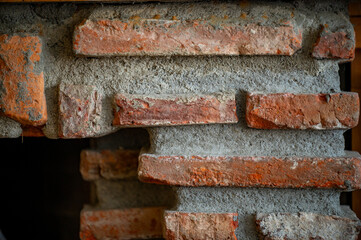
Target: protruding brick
x,y
79,111
109,164
303,111
165,110
239,171
337,45
134,223
21,80
183,225
294,226
157,37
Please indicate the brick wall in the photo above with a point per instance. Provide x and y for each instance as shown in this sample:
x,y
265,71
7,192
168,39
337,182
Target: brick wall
x,y
241,101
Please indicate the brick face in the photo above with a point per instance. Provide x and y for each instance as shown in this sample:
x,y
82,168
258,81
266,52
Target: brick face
x,y
79,111
182,225
173,37
302,111
21,80
134,223
277,172
109,164
334,45
164,110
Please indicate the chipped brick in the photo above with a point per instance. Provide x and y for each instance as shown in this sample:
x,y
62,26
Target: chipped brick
x,y
79,111
183,225
21,80
302,225
334,45
165,110
302,111
240,171
109,164
134,223
137,37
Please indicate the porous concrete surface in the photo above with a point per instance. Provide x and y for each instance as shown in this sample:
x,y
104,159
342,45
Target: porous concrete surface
x,y
163,75
132,194
248,201
9,128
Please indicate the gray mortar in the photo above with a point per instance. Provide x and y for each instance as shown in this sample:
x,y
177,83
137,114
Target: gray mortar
x,y
9,128
248,201
132,194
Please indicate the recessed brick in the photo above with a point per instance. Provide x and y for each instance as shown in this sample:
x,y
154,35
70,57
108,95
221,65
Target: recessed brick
x,y
29,131
302,111
158,37
109,164
302,225
79,111
134,223
166,110
240,171
334,44
21,80
183,225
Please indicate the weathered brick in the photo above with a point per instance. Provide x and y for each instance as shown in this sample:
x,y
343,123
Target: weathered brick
x,y
240,171
302,111
134,223
183,225
109,164
32,132
173,37
334,44
302,225
21,80
79,111
164,110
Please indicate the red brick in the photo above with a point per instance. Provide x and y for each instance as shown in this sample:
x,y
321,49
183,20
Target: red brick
x,y
334,45
158,37
239,171
79,111
21,80
109,164
197,226
164,110
302,111
32,132
134,223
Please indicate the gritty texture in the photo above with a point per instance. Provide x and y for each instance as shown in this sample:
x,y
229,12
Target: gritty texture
x,y
168,110
297,74
303,111
193,226
130,194
9,128
302,225
225,171
79,111
158,37
21,79
248,201
108,164
133,223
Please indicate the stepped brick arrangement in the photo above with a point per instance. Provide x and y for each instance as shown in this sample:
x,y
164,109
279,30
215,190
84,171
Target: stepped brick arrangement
x,y
241,104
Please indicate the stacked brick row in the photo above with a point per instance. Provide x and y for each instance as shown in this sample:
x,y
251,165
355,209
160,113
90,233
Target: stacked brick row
x,y
229,150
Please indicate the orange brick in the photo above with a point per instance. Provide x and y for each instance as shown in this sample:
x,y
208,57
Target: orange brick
x,y
158,37
302,111
164,110
32,132
239,171
134,223
109,164
21,80
183,225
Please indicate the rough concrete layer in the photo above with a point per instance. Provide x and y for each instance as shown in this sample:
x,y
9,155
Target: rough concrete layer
x,y
302,225
132,194
248,201
133,223
196,225
282,172
144,75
